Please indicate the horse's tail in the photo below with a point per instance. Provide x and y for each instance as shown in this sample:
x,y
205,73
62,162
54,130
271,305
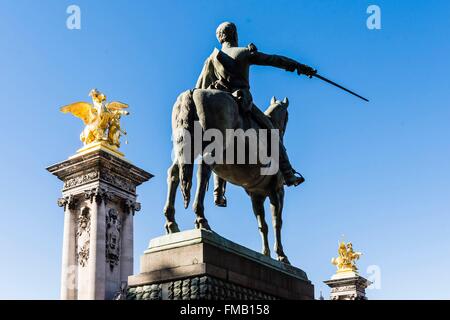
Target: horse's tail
x,y
183,117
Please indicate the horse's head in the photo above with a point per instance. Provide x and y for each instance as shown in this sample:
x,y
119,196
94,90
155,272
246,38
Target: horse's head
x,y
278,113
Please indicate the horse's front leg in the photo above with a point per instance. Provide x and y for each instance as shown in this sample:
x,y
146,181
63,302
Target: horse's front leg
x,y
276,205
258,209
173,180
203,175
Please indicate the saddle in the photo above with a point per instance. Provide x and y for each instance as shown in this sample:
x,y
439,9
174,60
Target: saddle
x,y
243,98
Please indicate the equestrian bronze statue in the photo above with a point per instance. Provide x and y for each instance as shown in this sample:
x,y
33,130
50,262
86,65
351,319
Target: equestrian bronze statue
x,y
220,102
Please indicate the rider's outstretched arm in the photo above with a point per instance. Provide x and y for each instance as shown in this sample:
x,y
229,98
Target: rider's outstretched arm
x,y
277,61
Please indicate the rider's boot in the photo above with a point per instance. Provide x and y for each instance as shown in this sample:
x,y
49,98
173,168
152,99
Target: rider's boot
x,y
219,191
289,174
291,179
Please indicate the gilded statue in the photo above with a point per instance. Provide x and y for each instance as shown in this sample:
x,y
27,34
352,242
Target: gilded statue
x,y
102,119
346,259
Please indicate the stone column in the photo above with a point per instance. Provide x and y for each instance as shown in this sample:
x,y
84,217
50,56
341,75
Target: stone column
x,y
68,268
97,245
99,197
126,258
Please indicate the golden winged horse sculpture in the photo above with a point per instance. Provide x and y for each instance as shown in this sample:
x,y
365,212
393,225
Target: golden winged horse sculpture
x,y
346,260
102,119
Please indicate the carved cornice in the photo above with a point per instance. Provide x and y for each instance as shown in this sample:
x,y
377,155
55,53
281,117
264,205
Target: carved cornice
x,y
104,175
81,179
343,288
117,181
83,167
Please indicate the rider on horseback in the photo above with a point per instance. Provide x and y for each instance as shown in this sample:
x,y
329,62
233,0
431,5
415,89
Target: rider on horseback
x,y
228,70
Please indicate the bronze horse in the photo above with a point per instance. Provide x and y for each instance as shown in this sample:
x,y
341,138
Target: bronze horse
x,y
215,109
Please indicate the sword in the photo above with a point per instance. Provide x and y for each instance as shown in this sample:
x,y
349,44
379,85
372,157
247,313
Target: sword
x,y
339,86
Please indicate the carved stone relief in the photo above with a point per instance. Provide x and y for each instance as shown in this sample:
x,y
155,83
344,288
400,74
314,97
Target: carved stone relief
x,y
113,228
83,233
117,181
81,179
83,254
105,175
84,222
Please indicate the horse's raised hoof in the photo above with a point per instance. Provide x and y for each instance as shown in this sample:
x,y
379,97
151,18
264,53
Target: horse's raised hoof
x,y
171,227
202,223
284,259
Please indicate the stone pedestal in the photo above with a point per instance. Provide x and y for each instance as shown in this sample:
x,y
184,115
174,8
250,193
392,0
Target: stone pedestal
x,y
348,286
99,201
199,264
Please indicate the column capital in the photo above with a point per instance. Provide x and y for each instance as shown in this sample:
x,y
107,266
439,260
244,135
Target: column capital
x,y
98,194
68,202
131,206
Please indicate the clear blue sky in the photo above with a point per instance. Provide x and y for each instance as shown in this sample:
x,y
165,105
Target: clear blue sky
x,y
378,173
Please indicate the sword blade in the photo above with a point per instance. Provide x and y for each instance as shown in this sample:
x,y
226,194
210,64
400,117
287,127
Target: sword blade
x,y
339,86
